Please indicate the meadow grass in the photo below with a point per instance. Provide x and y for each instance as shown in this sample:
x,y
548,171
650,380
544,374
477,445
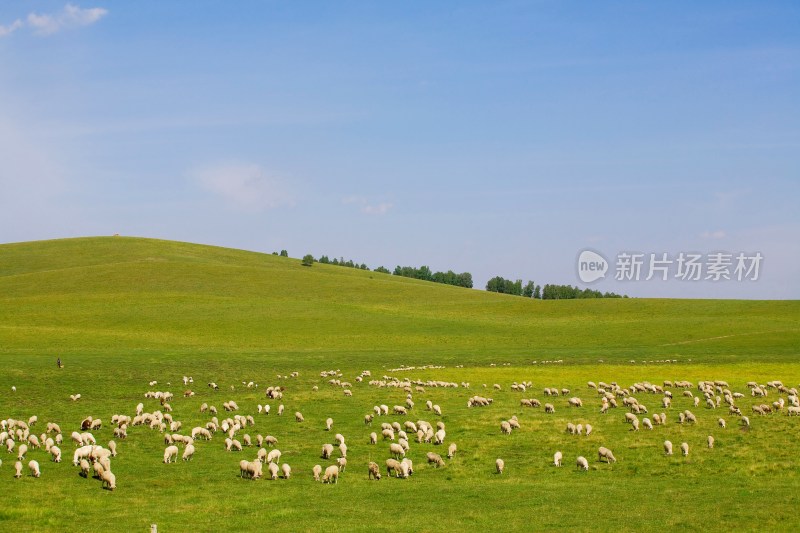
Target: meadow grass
x,y
121,312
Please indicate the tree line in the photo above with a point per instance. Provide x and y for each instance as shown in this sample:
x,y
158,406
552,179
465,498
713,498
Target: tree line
x,y
464,279
548,292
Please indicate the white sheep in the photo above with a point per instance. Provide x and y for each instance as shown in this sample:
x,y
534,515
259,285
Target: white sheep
x,y
298,416
170,454
343,449
328,424
396,450
588,429
286,470
317,470
274,456
21,451
373,438
451,450
331,474
667,447
109,480
55,451
685,448
557,458
188,452
33,466
18,469
710,441
582,463
273,470
373,471
342,462
327,451
112,446
605,453
499,465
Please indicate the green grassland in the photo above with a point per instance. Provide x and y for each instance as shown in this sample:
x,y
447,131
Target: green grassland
x,y
121,312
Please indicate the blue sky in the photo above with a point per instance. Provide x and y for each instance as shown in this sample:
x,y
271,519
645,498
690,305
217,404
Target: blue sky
x,y
499,138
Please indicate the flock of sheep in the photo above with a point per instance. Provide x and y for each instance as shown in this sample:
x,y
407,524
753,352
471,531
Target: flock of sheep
x,y
399,431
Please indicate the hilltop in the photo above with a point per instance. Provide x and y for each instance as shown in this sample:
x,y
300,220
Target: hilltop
x,y
144,296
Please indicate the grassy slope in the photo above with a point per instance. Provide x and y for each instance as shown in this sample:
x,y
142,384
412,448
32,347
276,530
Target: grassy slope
x,y
135,310
154,297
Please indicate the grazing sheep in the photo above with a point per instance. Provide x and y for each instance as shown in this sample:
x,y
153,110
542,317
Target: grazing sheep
x,y
21,451
188,452
327,451
286,470
392,465
605,453
112,446
409,467
557,458
331,474
55,451
647,424
18,469
570,428
269,440
342,462
437,410
328,424
685,448
667,447
548,408
85,467
317,470
505,428
373,471
343,449
273,470
582,463
298,416
435,459
451,450
439,437
499,465
745,421
109,480
710,441
33,466
274,456
588,429
635,424
721,423
170,454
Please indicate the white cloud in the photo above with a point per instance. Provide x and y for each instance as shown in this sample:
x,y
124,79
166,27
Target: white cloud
x,y
70,17
380,209
11,28
367,208
244,185
719,234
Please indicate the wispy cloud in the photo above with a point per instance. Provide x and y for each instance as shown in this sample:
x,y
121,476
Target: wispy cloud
x,y
719,234
11,28
366,207
71,17
244,185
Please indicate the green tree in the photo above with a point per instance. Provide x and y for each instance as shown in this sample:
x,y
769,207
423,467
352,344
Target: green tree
x,y
284,253
527,290
308,260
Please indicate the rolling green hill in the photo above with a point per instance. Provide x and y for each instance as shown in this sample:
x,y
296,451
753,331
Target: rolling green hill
x,y
129,316
143,296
